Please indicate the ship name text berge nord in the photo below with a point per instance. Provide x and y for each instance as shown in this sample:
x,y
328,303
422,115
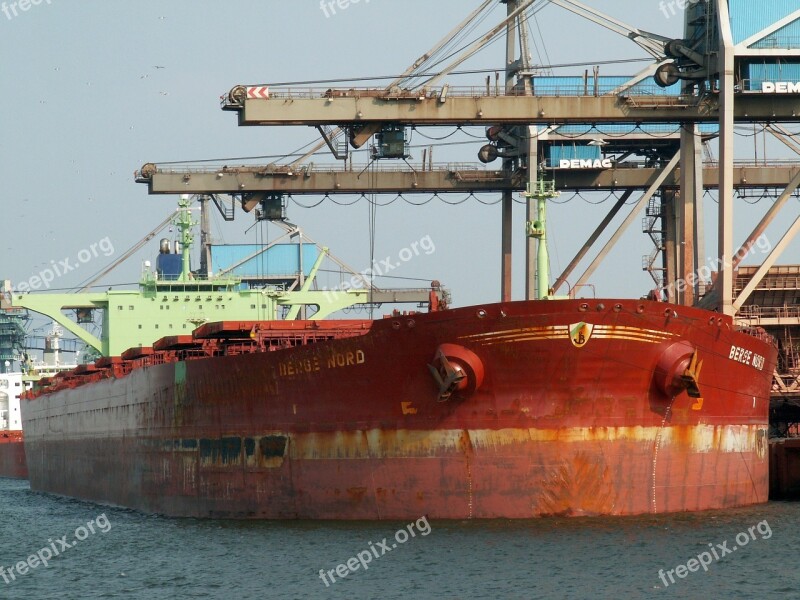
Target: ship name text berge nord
x,y
747,357
333,360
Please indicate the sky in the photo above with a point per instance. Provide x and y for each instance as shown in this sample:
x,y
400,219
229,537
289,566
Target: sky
x,y
92,90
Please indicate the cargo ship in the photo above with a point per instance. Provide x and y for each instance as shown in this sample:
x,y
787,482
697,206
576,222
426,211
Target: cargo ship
x,y
503,410
507,410
557,406
12,449
12,386
12,336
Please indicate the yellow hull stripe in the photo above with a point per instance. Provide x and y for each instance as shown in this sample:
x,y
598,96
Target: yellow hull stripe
x,y
559,332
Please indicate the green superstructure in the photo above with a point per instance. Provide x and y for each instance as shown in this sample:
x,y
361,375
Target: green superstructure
x,y
178,305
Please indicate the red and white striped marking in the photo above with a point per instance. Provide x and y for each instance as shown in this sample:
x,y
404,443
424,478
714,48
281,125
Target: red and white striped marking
x,y
260,92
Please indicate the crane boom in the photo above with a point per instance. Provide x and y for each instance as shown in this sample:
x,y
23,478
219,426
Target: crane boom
x,y
652,43
133,250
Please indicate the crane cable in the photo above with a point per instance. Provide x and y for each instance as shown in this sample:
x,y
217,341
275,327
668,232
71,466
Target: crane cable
x,y
130,252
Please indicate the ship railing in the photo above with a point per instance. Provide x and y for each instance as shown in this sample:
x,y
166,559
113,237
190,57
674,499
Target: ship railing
x,y
760,164
756,86
195,278
714,164
225,283
273,169
540,88
449,167
579,289
192,353
769,312
235,348
758,333
772,283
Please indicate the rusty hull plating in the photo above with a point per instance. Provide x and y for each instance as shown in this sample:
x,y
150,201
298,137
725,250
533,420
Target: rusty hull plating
x,y
12,455
509,410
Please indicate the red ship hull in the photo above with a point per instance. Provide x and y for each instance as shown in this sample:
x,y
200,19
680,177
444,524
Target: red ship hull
x,y
12,455
565,407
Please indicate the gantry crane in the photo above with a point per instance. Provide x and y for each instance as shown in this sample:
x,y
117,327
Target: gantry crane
x,y
712,78
522,105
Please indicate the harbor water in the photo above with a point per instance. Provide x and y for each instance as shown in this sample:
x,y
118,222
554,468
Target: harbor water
x,y
95,551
